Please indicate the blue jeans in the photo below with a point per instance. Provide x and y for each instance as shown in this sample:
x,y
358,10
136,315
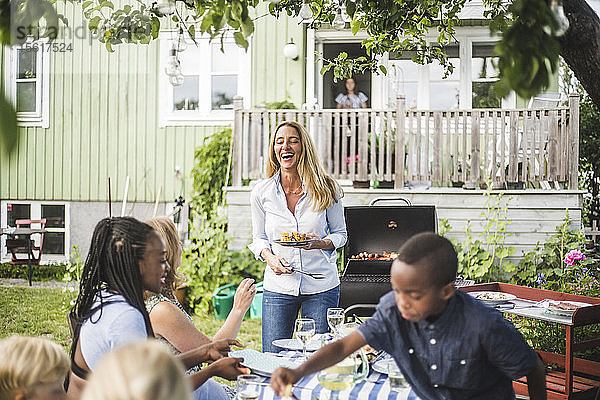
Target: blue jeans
x,y
279,312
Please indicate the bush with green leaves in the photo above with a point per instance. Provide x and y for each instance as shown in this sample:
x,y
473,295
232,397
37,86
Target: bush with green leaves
x,y
208,262
546,262
483,258
44,272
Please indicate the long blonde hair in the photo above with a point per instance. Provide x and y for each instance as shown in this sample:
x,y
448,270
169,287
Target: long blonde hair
x,y
143,370
28,361
167,230
323,189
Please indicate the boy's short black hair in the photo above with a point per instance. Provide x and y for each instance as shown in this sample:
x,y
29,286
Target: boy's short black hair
x,y
433,253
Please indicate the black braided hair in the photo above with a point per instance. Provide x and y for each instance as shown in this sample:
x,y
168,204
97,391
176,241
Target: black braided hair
x,y
118,245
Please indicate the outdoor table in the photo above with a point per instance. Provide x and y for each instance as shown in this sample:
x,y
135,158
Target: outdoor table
x,y
375,387
27,232
559,385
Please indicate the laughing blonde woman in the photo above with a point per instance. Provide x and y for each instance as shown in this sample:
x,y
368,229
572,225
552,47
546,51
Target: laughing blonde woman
x,y
298,195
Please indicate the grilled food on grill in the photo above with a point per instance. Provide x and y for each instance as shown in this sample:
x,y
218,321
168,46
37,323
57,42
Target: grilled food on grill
x,y
294,237
374,256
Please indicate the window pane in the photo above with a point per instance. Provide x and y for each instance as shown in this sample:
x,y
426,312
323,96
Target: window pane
x,y
26,63
484,95
436,71
55,215
185,97
483,68
409,90
54,243
17,211
443,95
223,89
26,96
224,62
404,70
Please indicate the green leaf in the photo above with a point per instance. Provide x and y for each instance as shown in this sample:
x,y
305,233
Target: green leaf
x,y
107,4
240,40
355,25
86,4
93,23
8,128
247,27
383,69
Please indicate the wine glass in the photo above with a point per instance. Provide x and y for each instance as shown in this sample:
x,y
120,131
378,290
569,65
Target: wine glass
x,y
335,317
305,330
247,387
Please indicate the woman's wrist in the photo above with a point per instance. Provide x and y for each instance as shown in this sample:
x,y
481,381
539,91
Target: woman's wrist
x,y
237,311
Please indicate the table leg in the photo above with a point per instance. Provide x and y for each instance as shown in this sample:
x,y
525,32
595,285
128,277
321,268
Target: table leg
x,y
569,330
29,259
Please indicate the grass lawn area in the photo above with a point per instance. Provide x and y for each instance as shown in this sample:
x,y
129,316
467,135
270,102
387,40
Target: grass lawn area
x,y
43,311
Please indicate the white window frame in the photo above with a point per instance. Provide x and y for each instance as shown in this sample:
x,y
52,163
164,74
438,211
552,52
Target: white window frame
x,y
36,213
466,37
40,117
204,116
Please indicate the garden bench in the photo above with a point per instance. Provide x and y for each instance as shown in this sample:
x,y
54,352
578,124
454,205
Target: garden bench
x,y
575,378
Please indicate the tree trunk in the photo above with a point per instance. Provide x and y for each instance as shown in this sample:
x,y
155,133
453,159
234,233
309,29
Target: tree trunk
x,y
580,46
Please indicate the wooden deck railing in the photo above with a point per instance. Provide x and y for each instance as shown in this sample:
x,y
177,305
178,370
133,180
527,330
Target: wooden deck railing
x,y
399,145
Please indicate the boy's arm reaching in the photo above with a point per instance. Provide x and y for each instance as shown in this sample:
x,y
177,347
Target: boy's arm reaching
x,y
536,382
325,357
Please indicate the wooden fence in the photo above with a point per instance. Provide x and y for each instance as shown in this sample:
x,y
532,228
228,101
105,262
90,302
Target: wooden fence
x,y
444,147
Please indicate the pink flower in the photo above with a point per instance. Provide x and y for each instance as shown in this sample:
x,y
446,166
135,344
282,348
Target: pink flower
x,y
573,256
347,160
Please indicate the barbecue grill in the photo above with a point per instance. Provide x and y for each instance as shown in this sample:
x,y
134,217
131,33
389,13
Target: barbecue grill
x,y
377,229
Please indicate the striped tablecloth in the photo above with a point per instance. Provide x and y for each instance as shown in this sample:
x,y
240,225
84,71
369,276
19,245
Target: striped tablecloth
x,y
375,387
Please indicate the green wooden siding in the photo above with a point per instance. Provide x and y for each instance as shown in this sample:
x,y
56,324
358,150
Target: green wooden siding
x,y
275,78
104,122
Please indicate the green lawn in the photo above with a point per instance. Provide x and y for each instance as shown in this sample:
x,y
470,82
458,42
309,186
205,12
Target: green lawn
x,y
38,311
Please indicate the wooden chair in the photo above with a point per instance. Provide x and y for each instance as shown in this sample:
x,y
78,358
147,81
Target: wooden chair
x,y
19,244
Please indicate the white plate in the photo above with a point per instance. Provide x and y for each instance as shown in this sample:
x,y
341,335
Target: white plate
x,y
313,344
493,298
564,313
294,243
381,366
261,363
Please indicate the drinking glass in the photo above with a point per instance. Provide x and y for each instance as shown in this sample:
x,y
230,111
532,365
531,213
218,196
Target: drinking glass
x,y
336,380
248,387
335,317
397,380
305,330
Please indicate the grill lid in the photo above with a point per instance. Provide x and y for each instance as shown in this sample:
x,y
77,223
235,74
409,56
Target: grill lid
x,y
383,228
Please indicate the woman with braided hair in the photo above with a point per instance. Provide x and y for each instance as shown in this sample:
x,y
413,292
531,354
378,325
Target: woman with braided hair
x,y
125,258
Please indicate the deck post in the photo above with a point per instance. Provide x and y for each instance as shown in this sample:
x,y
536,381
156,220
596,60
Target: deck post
x,y
400,140
573,146
236,141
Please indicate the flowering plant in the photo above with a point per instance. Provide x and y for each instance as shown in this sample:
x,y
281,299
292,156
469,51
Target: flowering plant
x,y
573,256
349,160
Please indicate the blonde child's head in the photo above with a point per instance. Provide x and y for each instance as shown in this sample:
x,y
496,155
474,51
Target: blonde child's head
x,y
143,371
32,368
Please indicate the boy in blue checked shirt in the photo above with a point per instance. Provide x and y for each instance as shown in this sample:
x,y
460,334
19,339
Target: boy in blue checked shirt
x,y
447,344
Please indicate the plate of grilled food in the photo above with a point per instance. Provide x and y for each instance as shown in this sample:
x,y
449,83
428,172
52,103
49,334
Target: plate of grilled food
x,y
294,239
493,298
563,308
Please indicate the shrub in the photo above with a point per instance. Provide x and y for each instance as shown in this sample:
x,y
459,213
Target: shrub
x,y
208,262
44,272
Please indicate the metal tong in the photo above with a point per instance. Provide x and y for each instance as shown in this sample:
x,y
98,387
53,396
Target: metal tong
x,y
312,275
